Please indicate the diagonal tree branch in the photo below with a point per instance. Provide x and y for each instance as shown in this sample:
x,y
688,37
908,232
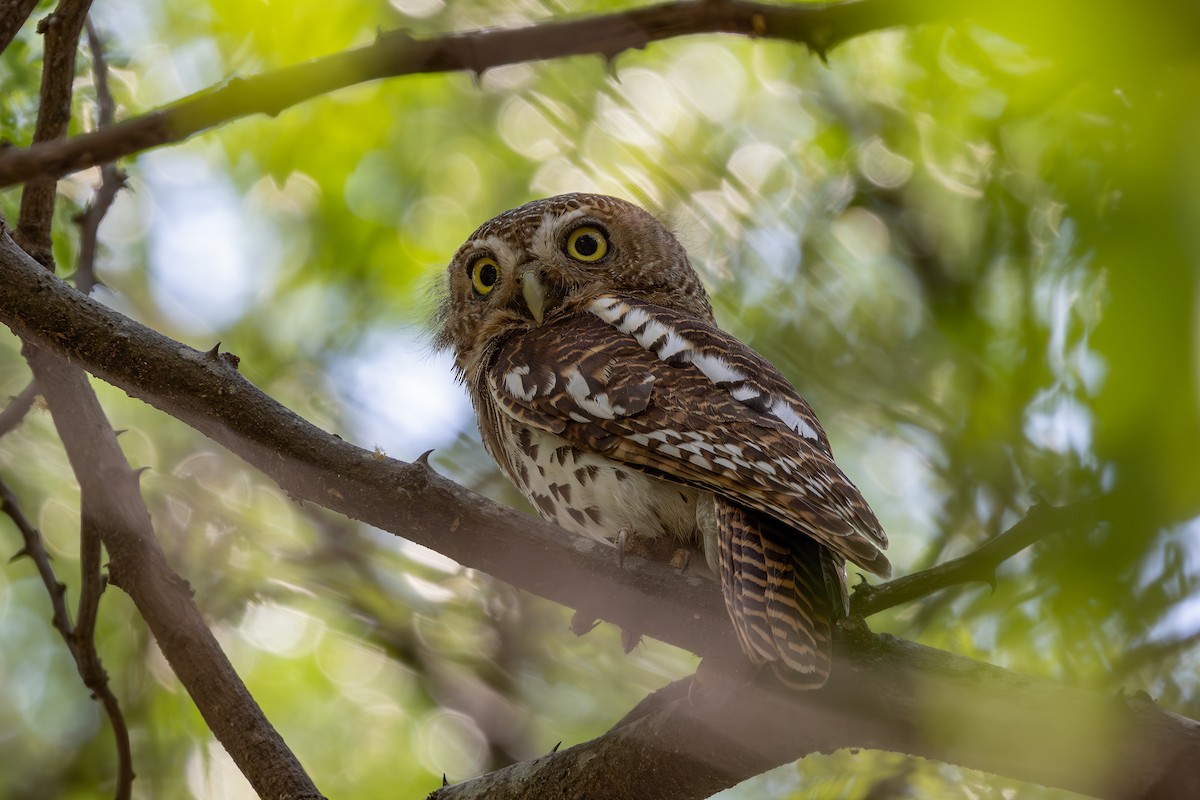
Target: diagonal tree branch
x,y
978,565
820,26
898,695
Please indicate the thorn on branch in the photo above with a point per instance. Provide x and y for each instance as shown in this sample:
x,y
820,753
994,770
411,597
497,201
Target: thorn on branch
x,y
555,748
22,553
215,354
423,459
444,781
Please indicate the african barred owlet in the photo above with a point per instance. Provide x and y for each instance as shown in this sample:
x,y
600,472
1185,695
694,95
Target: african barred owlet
x,y
607,393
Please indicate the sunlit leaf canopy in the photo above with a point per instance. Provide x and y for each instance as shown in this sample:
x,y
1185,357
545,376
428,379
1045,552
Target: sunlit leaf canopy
x,y
971,245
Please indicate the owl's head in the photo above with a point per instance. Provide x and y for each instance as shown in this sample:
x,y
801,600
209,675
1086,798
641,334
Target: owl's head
x,y
549,258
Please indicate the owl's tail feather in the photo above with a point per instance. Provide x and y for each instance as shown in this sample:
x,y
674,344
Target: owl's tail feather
x,y
774,582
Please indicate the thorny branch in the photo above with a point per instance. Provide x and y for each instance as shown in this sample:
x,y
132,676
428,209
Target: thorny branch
x,y
79,638
112,178
819,26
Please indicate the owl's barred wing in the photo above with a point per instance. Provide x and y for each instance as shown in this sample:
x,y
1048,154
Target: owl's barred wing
x,y
680,399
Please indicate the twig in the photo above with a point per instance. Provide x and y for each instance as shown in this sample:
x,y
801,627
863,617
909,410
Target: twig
x,y
35,549
820,26
80,638
16,410
978,565
12,17
112,179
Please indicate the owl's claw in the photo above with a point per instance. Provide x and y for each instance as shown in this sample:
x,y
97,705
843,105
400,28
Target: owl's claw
x,y
582,623
622,538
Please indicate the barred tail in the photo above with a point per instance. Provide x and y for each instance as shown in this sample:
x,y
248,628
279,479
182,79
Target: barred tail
x,y
774,579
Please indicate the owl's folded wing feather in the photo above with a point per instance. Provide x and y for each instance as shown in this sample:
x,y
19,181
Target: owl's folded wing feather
x,y
682,400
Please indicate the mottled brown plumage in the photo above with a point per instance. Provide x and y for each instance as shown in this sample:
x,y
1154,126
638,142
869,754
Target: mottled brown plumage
x,y
606,393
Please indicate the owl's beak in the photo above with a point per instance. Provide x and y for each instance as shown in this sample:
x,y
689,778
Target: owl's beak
x,y
534,294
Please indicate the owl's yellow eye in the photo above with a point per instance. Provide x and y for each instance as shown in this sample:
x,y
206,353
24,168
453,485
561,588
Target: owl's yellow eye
x,y
587,244
484,274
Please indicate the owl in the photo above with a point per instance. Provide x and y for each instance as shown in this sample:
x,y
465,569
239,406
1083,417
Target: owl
x,y
606,392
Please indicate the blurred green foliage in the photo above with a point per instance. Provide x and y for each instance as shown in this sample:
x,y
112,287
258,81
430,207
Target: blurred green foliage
x,y
972,245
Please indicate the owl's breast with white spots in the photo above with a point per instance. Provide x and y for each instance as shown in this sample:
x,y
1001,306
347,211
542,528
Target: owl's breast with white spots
x,y
594,496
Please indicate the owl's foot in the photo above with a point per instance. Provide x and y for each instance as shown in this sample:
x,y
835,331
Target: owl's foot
x,y
582,622
622,540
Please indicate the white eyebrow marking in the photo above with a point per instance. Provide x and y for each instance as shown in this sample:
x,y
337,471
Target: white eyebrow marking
x,y
545,239
505,255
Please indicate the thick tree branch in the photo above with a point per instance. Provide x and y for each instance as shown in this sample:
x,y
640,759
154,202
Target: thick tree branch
x,y
884,694
933,703
820,26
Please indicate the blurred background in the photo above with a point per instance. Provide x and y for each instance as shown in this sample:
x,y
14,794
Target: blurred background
x,y
972,246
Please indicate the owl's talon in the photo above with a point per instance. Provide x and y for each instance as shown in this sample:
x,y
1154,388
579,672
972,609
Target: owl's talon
x,y
622,538
582,623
